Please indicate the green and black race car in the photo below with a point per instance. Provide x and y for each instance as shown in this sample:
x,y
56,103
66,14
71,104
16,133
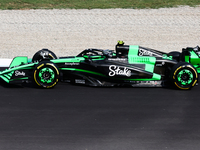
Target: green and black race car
x,y
128,65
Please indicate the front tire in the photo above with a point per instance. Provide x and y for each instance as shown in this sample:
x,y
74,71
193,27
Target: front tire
x,y
46,74
184,76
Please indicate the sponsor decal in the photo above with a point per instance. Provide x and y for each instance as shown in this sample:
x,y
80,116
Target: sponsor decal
x,y
143,52
114,70
44,53
72,63
145,83
163,63
19,73
79,81
118,59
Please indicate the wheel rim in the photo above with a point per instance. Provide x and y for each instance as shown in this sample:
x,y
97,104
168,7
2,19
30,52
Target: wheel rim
x,y
185,77
46,75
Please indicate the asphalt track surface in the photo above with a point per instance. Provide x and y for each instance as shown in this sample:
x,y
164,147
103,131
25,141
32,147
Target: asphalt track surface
x,y
72,117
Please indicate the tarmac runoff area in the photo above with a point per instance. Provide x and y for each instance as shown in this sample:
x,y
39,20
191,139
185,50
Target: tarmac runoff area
x,y
68,31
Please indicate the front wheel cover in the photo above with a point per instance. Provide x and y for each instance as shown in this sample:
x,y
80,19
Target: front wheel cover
x,y
185,77
46,75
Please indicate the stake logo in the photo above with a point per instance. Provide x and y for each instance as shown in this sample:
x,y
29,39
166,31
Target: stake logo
x,y
114,70
18,73
143,52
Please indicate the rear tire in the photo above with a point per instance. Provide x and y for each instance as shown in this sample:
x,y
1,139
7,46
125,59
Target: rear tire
x,y
184,76
46,74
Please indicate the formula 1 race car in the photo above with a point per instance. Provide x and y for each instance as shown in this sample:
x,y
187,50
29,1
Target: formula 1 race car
x,y
128,65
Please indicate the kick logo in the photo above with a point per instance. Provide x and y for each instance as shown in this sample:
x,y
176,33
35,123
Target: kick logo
x,y
114,70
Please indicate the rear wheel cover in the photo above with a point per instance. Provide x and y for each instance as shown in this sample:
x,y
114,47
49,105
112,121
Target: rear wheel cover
x,y
46,75
185,77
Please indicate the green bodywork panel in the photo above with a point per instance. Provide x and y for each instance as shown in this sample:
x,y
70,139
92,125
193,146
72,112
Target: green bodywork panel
x,y
6,76
167,57
75,60
18,61
133,50
149,61
194,60
94,57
